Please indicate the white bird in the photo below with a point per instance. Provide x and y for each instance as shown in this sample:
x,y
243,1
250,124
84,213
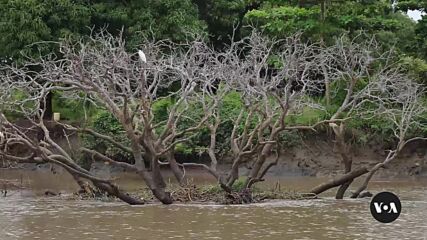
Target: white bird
x,y
142,56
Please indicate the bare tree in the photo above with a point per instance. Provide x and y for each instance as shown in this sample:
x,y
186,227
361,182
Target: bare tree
x,y
277,92
348,64
42,149
269,93
101,71
275,79
392,96
401,105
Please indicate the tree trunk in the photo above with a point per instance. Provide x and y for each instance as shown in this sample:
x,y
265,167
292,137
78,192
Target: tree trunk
x,y
345,156
113,190
176,170
234,172
327,86
262,157
339,181
157,175
367,179
84,185
157,190
255,169
343,188
162,195
48,111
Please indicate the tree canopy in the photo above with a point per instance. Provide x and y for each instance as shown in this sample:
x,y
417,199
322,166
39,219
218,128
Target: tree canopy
x,y
23,22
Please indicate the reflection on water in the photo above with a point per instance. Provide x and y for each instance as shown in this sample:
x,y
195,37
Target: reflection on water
x,y
27,218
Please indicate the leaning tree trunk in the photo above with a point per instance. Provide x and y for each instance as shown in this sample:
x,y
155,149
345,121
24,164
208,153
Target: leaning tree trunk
x,y
343,188
339,181
158,191
343,149
265,170
157,183
392,155
109,188
113,190
233,175
176,170
47,108
85,187
262,157
368,178
154,181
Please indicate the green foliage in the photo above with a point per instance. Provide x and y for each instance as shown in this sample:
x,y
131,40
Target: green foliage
x,y
239,184
406,5
289,139
72,110
284,20
105,123
376,129
221,16
354,15
170,19
339,90
212,189
160,109
421,38
416,67
229,110
184,149
307,117
394,29
24,22
9,111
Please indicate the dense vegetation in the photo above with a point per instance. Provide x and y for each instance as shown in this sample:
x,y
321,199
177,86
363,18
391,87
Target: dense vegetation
x,y
24,23
355,43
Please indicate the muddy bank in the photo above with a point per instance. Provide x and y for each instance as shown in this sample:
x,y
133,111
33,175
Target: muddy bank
x,y
316,157
319,157
312,155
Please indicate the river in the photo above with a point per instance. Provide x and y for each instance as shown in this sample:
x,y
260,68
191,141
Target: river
x,y
25,216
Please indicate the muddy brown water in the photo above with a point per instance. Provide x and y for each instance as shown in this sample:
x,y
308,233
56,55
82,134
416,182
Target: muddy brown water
x,y
27,215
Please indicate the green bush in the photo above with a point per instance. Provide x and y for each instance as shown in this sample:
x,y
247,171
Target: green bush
x,y
10,111
72,110
416,67
105,123
374,129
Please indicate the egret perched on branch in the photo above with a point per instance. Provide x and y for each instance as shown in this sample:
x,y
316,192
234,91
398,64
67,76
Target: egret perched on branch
x,y
1,138
142,56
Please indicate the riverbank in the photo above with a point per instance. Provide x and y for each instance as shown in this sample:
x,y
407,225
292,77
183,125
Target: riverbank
x,y
315,157
318,156
36,183
306,154
59,184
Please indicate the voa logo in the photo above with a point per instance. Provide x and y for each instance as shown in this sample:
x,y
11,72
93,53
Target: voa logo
x,y
380,207
385,207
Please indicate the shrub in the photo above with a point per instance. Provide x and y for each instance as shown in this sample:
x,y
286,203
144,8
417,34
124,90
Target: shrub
x,y
105,123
